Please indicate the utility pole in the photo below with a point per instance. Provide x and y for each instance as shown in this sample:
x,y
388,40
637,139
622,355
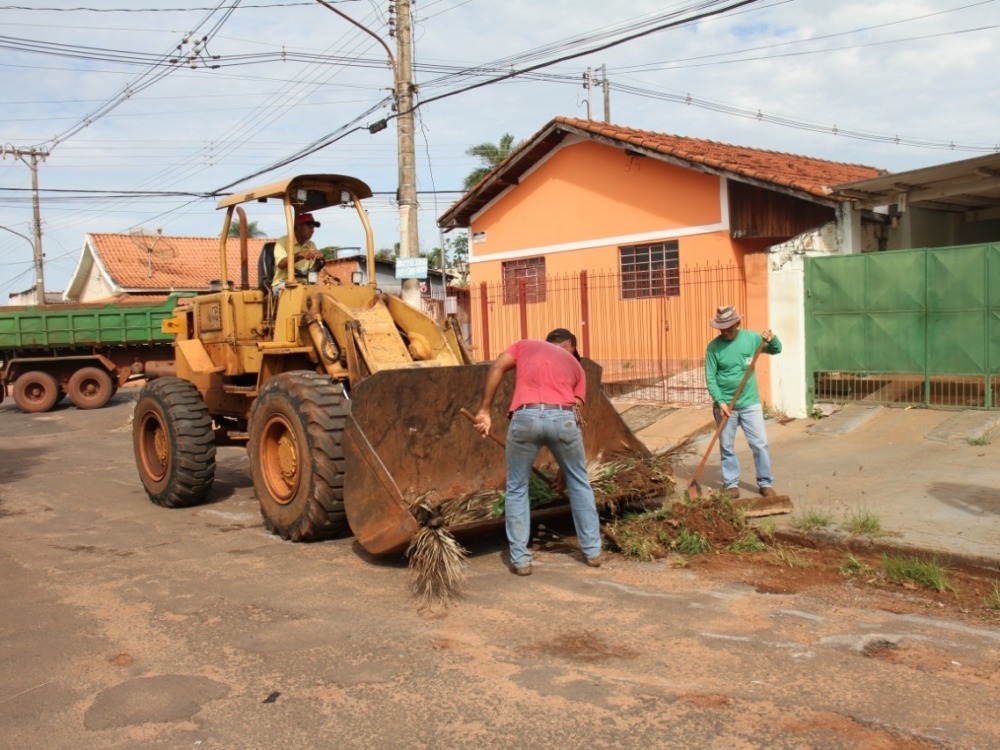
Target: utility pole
x,y
402,71
588,83
30,157
409,241
606,90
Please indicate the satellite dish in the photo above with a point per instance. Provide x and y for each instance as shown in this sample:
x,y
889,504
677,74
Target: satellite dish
x,y
154,245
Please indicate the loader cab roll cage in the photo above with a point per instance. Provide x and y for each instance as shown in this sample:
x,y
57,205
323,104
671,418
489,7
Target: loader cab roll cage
x,y
301,194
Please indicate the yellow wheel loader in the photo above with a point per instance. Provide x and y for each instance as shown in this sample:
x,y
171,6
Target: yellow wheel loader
x,y
347,399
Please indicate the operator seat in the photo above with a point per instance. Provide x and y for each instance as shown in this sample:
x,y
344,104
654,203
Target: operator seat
x,y
265,268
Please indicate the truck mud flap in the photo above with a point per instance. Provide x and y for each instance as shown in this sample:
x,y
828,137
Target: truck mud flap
x,y
407,441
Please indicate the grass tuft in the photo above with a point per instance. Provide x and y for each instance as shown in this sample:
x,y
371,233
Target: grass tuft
x,y
864,521
993,600
930,573
749,542
634,543
691,543
814,519
984,439
852,566
767,528
788,558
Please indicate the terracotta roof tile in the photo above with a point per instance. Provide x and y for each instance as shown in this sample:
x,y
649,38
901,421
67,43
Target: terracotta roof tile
x,y
160,262
803,173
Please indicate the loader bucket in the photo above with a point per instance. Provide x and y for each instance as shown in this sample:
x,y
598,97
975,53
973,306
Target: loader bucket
x,y
407,440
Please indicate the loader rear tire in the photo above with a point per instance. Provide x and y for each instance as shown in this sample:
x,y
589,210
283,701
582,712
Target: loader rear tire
x,y
35,392
90,388
174,443
297,457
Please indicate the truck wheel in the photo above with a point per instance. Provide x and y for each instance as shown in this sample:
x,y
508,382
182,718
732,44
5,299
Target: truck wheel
x,y
296,455
90,388
174,443
35,391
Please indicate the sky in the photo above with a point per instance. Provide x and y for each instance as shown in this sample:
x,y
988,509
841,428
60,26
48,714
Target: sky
x,y
143,108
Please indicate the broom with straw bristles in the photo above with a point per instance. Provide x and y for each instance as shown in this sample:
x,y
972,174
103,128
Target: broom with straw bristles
x,y
437,561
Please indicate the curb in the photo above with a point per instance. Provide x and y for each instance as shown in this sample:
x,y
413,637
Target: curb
x,y
850,543
848,419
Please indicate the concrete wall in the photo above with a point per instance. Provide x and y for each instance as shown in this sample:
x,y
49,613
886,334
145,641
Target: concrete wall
x,y
786,305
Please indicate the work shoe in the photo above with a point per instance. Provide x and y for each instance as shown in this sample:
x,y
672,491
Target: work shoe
x,y
731,492
768,492
594,562
524,570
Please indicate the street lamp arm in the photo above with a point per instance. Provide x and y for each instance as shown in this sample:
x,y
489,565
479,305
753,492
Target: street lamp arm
x,y
392,60
23,237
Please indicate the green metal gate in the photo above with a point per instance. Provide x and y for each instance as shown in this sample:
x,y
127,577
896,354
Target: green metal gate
x,y
905,327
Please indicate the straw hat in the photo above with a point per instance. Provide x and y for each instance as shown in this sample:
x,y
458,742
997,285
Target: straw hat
x,y
725,317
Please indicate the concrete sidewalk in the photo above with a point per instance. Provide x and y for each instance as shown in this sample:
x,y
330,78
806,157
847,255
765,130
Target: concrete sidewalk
x,y
930,476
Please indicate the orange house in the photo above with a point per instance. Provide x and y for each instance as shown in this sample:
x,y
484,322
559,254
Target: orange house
x,y
651,210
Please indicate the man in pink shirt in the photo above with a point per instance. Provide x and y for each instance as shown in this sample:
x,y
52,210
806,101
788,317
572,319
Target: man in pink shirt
x,y
549,389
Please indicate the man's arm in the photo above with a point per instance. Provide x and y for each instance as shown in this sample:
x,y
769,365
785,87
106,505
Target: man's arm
x,y
307,252
494,377
773,343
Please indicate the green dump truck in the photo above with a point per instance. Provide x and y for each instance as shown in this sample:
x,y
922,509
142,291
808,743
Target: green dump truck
x,y
84,351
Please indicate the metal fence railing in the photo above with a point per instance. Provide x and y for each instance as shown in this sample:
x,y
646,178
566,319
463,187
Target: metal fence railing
x,y
651,348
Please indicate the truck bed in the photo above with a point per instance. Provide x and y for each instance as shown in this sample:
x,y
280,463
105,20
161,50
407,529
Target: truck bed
x,y
37,327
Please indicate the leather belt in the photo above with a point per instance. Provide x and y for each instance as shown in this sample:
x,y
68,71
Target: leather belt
x,y
560,407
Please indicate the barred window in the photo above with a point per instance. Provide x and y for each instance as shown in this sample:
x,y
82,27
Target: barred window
x,y
532,270
650,270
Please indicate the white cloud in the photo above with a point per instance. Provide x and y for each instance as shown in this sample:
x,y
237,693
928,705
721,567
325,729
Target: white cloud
x,y
197,130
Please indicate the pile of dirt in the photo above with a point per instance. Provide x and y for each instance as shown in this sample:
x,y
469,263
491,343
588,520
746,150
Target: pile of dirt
x,y
788,569
710,535
679,528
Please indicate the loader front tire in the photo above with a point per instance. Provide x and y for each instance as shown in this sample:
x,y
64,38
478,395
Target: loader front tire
x,y
174,443
296,455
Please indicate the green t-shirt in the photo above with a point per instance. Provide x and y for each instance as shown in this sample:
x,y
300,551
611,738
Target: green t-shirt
x,y
727,361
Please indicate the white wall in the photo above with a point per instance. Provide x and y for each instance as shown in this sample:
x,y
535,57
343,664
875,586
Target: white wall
x,y
786,301
96,286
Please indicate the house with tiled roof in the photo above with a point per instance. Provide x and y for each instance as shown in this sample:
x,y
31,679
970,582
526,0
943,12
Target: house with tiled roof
x,y
150,266
647,209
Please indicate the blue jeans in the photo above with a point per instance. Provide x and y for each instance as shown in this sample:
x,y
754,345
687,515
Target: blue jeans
x,y
529,430
751,419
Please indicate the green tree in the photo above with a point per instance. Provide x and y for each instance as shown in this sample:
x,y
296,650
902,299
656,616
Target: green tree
x,y
433,258
252,229
458,249
490,154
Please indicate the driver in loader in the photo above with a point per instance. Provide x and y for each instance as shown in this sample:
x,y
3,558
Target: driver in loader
x,y
305,252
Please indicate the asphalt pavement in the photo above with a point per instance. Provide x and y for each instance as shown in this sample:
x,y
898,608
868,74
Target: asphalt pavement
x,y
128,625
929,476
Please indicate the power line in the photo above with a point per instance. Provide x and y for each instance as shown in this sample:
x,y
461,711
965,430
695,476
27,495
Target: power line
x,y
154,10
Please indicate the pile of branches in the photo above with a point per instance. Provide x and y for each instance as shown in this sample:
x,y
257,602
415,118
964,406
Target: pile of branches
x,y
437,560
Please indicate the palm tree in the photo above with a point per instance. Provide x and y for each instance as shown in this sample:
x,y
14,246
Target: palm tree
x,y
252,229
491,154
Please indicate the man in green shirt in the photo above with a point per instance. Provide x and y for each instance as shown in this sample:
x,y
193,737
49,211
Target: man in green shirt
x,y
305,251
726,361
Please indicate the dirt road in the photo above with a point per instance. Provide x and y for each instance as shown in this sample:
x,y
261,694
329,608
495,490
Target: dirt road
x,y
126,625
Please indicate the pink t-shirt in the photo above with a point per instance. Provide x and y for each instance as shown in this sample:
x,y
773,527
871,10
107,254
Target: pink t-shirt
x,y
546,374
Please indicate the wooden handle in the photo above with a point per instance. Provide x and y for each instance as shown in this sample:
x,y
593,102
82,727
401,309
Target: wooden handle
x,y
725,417
471,417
